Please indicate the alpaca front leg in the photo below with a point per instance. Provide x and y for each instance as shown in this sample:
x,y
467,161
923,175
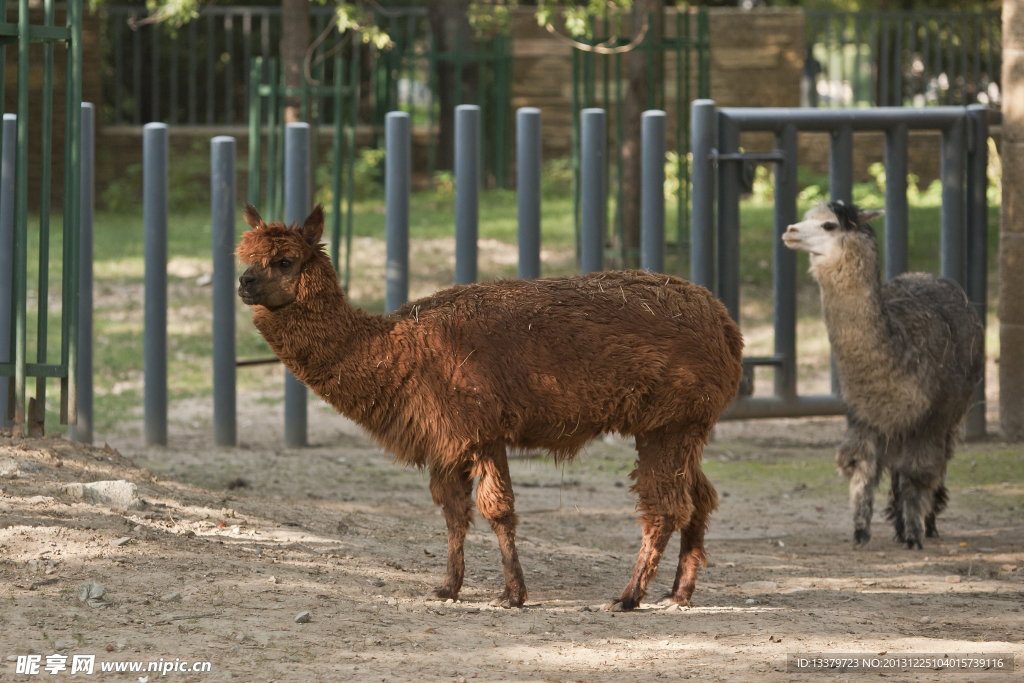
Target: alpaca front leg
x,y
857,458
452,491
496,503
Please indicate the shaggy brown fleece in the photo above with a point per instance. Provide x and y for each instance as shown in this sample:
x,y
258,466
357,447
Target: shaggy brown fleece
x,y
450,381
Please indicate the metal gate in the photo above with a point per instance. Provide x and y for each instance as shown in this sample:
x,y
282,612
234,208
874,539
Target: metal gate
x,y
14,224
718,176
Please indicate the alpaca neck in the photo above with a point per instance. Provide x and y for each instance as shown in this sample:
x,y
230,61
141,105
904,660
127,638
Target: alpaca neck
x,y
851,296
320,338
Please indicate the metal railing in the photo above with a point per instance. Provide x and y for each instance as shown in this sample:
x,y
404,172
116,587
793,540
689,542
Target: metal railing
x,y
29,416
963,222
670,66
920,58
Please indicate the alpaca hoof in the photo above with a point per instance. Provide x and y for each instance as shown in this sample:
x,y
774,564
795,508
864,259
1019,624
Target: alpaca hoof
x,y
911,544
512,596
931,532
861,537
444,593
623,606
897,538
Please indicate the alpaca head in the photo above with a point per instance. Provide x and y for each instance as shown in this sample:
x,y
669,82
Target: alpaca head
x,y
276,255
829,228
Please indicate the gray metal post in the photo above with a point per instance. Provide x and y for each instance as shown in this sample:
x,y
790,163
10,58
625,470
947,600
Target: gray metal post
x,y
594,204
467,188
6,253
296,208
977,247
952,221
840,166
702,230
840,188
396,198
896,214
785,264
82,431
727,286
222,216
528,190
154,210
652,191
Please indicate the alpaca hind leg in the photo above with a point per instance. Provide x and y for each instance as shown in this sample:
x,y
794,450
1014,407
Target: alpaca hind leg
x,y
941,497
938,505
921,466
691,551
667,463
894,512
496,503
452,491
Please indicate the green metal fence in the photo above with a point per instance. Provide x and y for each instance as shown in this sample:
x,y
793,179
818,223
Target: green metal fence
x,y
415,59
672,78
269,94
30,418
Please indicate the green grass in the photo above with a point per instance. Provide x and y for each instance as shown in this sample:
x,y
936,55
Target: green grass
x,y
119,272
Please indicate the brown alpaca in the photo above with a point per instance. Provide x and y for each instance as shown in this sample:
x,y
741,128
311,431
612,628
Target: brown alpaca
x,y
450,381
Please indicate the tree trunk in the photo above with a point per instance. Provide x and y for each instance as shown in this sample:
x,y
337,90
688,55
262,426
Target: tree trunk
x,y
633,104
295,41
447,22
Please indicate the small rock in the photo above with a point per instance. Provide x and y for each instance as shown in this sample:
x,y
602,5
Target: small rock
x,y
92,593
274,579
619,484
953,578
916,601
121,541
449,601
170,597
750,601
303,618
392,601
378,583
672,608
926,620
119,494
12,658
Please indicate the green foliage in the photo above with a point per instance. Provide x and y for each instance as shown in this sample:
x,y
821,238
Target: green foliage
x,y
577,17
367,178
556,178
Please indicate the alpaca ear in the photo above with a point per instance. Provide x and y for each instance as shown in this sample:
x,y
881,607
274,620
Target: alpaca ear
x,y
865,216
252,217
313,228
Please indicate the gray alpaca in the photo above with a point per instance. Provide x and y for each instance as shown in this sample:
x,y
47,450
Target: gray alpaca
x,y
910,353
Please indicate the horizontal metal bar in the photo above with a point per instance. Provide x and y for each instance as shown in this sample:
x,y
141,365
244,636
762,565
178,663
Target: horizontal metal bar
x,y
37,34
809,119
764,360
745,408
35,370
257,361
747,156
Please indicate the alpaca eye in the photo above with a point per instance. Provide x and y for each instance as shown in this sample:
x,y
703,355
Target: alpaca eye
x,y
284,263
830,226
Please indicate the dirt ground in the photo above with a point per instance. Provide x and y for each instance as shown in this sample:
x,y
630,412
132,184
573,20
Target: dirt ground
x,y
229,546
